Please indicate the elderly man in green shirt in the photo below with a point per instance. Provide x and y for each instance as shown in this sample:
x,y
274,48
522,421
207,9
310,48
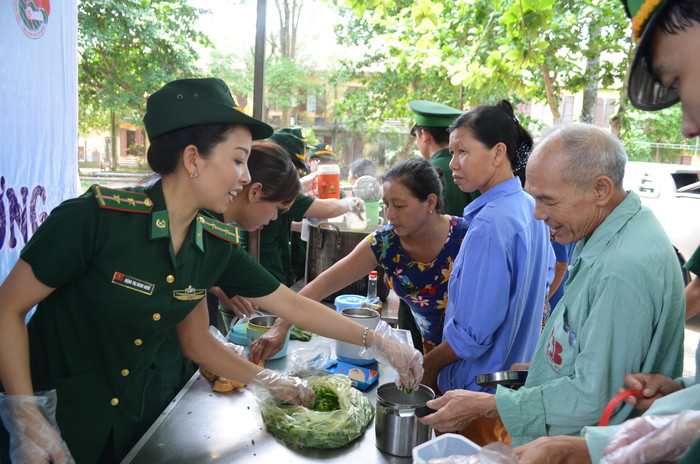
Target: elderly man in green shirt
x,y
623,305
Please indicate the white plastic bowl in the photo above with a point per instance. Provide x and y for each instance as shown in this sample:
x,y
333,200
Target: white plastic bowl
x,y
445,445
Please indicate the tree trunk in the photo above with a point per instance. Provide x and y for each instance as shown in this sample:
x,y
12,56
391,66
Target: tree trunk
x,y
618,120
590,92
114,133
552,99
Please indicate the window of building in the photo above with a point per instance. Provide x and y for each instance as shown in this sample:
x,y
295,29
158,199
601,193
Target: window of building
x,y
566,109
311,103
604,109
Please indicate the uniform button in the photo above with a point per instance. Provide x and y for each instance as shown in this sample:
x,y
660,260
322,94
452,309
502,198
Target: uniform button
x,y
170,279
114,402
156,316
125,372
138,342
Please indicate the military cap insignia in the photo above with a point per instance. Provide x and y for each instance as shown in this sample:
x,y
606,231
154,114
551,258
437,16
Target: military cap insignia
x,y
122,200
219,229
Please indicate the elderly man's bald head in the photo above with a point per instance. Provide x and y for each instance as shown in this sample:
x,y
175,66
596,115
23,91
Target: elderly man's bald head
x,y
583,152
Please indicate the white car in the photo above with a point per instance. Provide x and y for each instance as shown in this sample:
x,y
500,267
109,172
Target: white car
x,y
672,192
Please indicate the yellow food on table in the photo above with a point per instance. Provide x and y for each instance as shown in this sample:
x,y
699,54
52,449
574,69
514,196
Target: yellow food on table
x,y
221,384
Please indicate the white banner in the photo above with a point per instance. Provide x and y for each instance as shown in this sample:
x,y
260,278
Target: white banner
x,y
38,117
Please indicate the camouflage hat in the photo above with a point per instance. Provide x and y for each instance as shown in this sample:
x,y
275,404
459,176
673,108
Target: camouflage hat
x,y
292,144
645,90
431,114
323,150
193,102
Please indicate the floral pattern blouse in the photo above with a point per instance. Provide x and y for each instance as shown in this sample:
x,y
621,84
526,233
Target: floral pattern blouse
x,y
423,286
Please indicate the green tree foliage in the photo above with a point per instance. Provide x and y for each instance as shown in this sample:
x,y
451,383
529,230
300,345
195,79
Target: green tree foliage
x,y
476,52
129,48
647,136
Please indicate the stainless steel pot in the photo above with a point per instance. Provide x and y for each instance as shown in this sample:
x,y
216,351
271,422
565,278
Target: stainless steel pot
x,y
396,422
328,243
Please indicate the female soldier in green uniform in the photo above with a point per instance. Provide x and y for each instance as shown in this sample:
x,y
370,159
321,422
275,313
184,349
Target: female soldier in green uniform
x,y
114,271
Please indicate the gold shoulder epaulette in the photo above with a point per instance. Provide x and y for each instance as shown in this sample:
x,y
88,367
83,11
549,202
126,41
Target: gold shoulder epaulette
x,y
219,229
122,200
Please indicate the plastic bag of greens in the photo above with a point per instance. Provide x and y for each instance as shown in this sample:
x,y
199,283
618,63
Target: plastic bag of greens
x,y
339,415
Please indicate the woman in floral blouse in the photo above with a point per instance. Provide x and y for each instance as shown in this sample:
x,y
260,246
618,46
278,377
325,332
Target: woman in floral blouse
x,y
416,250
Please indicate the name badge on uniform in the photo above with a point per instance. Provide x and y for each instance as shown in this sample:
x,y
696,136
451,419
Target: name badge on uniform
x,y
132,283
190,294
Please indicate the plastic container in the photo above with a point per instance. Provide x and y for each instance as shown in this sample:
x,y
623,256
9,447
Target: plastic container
x,y
238,335
328,177
445,445
258,325
372,212
348,301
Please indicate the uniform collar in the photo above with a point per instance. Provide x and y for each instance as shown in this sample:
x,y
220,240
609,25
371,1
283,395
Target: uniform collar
x,y
508,187
444,153
160,222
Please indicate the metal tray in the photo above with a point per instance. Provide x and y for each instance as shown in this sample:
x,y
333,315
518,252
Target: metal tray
x,y
510,379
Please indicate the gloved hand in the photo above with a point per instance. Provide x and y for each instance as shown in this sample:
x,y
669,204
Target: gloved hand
x,y
653,439
34,435
391,348
355,205
285,388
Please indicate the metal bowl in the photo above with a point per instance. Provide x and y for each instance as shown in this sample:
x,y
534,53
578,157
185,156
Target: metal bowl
x,y
510,379
262,322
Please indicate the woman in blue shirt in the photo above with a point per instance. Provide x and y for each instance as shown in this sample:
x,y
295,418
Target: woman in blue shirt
x,y
500,277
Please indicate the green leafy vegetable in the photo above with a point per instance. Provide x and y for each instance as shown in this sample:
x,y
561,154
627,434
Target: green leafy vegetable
x,y
297,333
325,429
326,399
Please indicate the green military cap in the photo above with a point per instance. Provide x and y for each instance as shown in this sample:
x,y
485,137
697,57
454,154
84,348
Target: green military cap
x,y
645,90
431,114
323,150
192,102
292,144
297,131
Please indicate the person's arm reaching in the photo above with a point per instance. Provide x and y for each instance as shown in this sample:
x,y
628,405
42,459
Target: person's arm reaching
x,y
355,265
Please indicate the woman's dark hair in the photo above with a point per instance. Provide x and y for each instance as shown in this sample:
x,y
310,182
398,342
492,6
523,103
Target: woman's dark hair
x,y
495,124
163,153
270,165
418,176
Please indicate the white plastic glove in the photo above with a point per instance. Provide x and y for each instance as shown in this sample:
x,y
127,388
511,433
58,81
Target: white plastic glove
x,y
493,453
34,435
653,439
355,205
391,347
285,388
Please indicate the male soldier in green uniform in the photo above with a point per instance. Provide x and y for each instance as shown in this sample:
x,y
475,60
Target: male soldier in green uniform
x,y
432,139
432,121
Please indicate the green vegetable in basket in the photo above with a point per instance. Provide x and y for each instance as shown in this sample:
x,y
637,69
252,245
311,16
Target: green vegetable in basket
x,y
325,426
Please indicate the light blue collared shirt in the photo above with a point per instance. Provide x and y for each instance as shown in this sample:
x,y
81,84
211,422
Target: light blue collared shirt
x,y
497,287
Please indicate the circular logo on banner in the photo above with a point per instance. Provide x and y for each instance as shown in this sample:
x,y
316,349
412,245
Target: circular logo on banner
x,y
32,16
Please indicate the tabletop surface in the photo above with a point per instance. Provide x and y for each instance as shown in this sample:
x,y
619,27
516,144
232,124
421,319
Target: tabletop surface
x,y
202,426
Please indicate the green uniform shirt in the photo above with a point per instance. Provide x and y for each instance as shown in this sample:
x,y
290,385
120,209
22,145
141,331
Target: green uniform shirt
x,y
455,199
622,311
120,290
693,264
275,248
